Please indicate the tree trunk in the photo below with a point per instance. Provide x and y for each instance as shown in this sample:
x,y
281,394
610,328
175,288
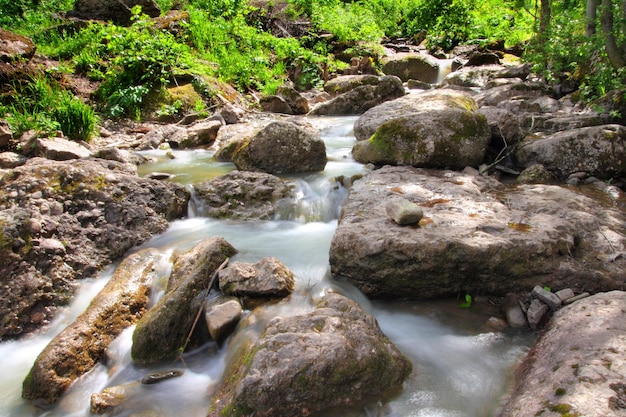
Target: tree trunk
x,y
612,50
544,18
591,13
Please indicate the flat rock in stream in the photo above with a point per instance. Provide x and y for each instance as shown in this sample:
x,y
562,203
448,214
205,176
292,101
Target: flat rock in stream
x,y
478,235
577,367
81,345
307,359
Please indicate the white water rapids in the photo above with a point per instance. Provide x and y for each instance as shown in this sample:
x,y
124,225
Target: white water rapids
x,y
460,369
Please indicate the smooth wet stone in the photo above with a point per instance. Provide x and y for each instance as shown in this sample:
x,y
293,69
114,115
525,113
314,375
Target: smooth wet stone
x,y
549,298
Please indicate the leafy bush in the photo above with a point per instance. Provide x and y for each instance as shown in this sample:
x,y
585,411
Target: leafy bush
x,y
76,119
447,22
42,106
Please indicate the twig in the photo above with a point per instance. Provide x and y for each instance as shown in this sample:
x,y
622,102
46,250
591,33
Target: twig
x,y
206,294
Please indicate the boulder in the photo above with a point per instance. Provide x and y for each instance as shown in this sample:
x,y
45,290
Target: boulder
x,y
535,174
231,136
282,147
97,209
600,151
12,160
222,313
81,345
244,195
412,66
331,355
58,149
477,236
361,98
296,101
199,134
14,47
437,128
504,125
121,155
578,365
162,332
163,134
472,77
6,136
515,316
536,313
511,96
267,278
345,83
275,104
117,11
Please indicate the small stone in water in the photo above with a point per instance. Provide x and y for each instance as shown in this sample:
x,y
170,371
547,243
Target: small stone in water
x,y
160,376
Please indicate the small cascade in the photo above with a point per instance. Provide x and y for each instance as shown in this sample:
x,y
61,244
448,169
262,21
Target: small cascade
x,y
316,200
445,68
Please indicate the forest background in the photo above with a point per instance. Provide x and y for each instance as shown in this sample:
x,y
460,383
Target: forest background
x,y
231,42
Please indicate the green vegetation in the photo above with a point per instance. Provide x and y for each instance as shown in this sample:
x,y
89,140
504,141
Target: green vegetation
x,y
230,41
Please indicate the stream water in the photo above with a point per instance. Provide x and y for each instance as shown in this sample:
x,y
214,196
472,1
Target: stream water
x,y
461,369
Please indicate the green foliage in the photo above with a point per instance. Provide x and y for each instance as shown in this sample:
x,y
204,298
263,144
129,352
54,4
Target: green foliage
x,y
76,119
348,22
42,106
570,56
29,16
467,303
447,22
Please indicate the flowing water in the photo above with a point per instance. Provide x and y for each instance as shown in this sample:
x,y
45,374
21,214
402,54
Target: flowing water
x,y
461,369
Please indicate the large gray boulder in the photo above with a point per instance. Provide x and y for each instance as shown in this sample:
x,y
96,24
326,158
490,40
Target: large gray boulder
x,y
599,151
361,98
81,345
477,235
281,148
435,129
412,66
117,11
578,365
330,354
244,195
162,332
65,220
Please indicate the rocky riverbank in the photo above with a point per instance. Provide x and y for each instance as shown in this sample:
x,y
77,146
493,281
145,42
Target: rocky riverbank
x,y
68,210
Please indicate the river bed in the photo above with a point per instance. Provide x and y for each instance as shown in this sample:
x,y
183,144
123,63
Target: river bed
x,y
460,367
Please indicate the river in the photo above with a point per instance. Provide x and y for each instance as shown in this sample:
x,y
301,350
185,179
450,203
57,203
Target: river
x,y
460,367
